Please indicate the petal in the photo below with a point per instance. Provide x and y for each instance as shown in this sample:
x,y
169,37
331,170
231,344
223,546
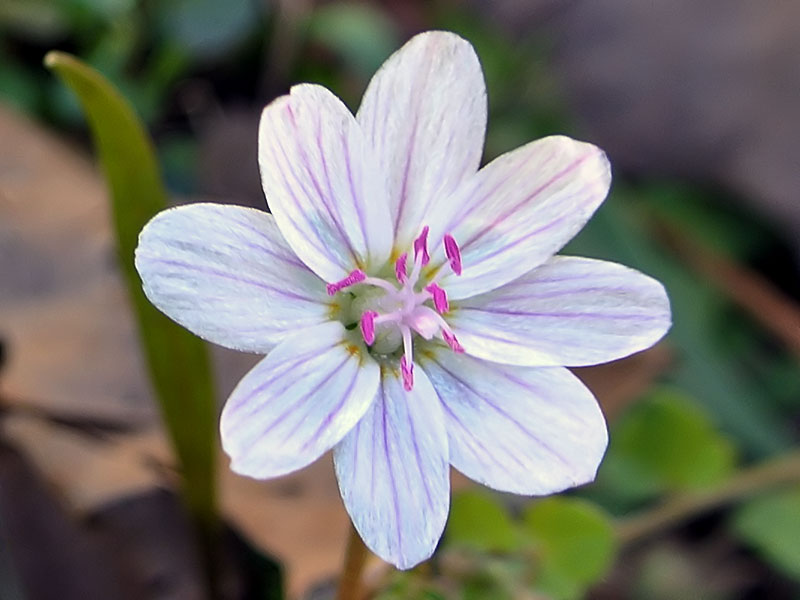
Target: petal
x,y
226,274
570,311
393,472
424,113
518,211
298,402
518,429
321,184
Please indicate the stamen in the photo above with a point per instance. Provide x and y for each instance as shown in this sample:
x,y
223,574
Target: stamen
x,y
407,360
453,253
451,340
408,373
356,276
368,326
400,268
381,283
439,298
421,246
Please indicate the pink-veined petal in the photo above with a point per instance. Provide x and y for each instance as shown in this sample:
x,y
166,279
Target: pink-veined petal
x,y
393,472
424,113
526,430
226,274
322,184
298,402
570,311
518,211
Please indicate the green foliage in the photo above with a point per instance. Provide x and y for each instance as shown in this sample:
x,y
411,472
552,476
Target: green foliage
x,y
666,443
479,521
771,525
178,361
560,547
208,29
575,545
360,34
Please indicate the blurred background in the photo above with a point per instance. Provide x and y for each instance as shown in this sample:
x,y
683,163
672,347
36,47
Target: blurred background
x,y
696,104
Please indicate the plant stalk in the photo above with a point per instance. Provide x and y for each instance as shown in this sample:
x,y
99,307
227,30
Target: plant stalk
x,y
771,474
356,554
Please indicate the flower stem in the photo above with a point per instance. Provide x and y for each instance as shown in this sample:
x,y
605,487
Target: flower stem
x,y
355,558
771,474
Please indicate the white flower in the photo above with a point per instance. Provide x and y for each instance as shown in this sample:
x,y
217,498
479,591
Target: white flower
x,y
410,306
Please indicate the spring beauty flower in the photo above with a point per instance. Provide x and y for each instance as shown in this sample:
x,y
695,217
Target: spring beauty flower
x,y
410,306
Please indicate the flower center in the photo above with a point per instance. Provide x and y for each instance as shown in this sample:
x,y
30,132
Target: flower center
x,y
390,313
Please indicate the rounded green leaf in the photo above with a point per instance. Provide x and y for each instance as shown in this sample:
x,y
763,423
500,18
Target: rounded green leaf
x,y
666,443
479,521
576,545
771,525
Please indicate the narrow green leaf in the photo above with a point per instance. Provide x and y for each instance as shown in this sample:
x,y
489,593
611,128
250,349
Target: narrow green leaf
x,y
178,362
576,545
477,520
771,525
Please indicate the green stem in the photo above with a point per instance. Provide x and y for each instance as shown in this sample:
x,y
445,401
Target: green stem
x,y
356,554
774,473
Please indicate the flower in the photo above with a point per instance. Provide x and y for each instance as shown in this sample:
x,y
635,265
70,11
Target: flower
x,y
411,310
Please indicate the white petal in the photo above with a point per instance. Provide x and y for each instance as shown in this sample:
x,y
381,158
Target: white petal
x,y
518,429
570,311
321,183
424,113
518,211
393,472
298,402
226,274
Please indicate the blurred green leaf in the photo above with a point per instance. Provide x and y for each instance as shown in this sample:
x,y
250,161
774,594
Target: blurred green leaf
x,y
105,10
178,361
37,19
19,87
771,525
666,443
479,521
576,545
361,34
699,214
209,29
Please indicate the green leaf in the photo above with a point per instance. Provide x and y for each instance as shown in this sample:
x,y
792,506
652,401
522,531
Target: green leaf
x,y
361,35
576,545
36,20
479,521
771,525
666,443
209,29
178,362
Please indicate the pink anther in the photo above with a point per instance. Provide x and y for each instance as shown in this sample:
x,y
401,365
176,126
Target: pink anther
x,y
356,276
439,298
400,268
421,246
368,326
408,373
451,340
453,253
